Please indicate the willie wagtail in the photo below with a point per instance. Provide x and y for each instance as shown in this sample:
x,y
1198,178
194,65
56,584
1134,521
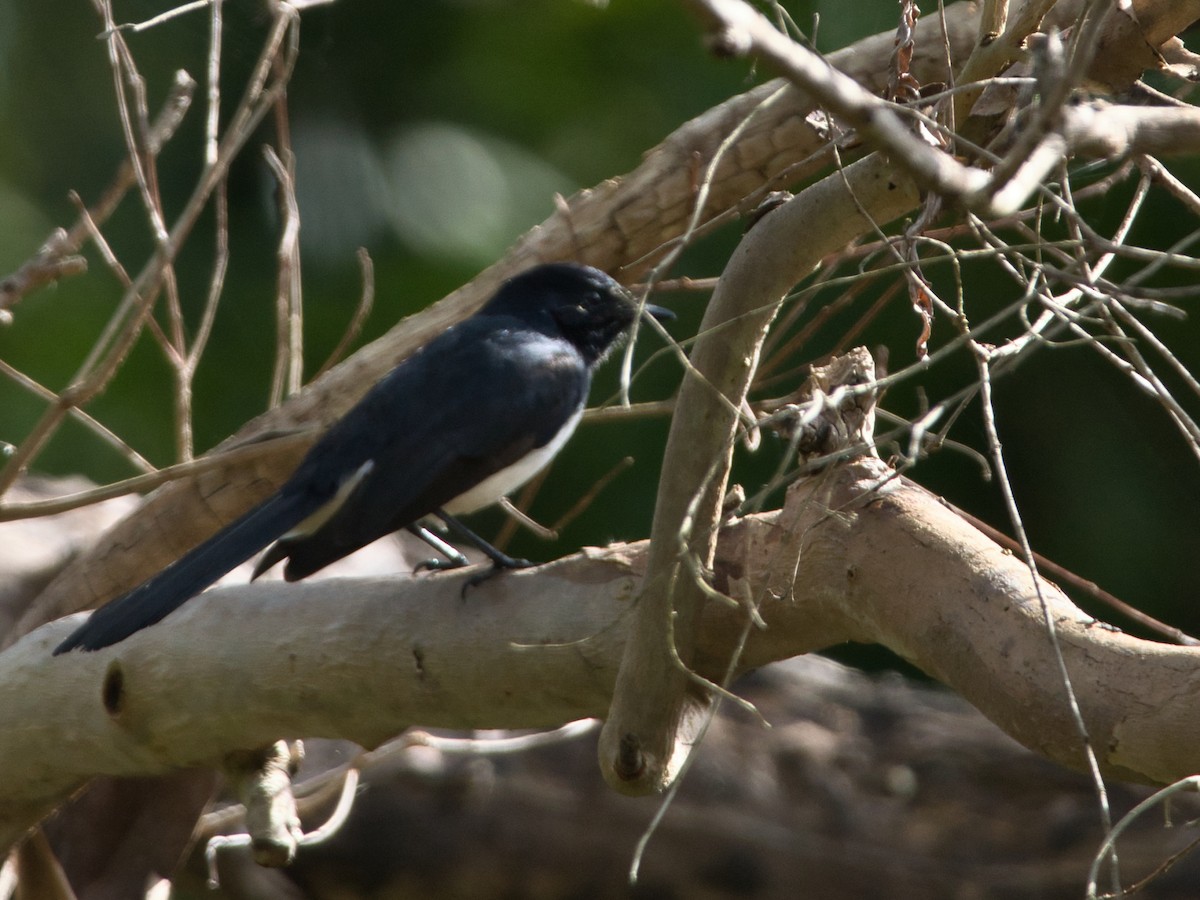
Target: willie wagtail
x,y
466,419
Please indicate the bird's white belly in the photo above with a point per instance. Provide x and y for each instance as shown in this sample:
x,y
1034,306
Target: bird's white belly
x,y
507,480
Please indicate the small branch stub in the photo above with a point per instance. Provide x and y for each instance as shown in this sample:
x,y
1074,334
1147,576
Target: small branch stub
x,y
834,410
263,779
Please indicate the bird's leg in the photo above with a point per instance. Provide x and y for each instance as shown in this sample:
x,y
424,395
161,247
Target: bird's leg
x,y
500,560
453,558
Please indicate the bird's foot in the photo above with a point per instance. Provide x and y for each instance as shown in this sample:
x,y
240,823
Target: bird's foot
x,y
497,566
440,565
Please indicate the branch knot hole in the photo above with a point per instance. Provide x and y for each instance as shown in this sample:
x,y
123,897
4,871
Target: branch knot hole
x,y
630,762
112,692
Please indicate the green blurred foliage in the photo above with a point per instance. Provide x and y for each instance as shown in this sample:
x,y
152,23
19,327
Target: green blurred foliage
x,y
434,134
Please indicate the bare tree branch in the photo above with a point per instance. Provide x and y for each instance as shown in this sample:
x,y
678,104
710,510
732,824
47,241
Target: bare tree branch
x,y
855,555
96,371
641,746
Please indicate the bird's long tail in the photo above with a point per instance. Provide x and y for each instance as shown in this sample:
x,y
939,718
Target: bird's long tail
x,y
190,574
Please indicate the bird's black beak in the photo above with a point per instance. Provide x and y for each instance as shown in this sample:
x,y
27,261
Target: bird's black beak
x,y
659,312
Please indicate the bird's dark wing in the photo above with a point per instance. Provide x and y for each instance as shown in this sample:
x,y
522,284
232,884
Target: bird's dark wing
x,y
440,424
191,573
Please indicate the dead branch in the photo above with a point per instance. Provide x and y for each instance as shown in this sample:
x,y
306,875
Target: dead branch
x,y
640,745
855,555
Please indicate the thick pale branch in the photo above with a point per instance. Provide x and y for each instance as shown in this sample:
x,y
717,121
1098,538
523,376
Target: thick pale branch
x,y
640,747
846,560
739,29
947,598
1102,130
1107,131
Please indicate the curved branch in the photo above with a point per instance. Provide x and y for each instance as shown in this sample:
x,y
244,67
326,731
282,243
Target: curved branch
x,y
642,746
856,554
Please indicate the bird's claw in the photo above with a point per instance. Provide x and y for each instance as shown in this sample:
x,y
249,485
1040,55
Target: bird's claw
x,y
438,565
478,578
496,567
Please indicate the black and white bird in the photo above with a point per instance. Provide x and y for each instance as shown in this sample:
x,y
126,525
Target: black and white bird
x,y
462,422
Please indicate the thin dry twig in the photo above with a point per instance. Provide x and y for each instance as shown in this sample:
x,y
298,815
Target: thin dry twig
x,y
61,248
111,349
982,355
102,431
289,350
153,478
52,262
366,300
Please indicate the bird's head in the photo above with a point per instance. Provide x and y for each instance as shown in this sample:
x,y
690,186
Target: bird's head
x,y
583,304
